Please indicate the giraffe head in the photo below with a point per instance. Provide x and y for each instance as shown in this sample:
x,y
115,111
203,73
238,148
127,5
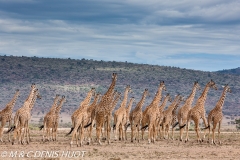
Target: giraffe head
x,y
227,88
63,99
162,85
169,97
38,94
114,76
196,85
146,92
17,92
93,91
212,84
128,88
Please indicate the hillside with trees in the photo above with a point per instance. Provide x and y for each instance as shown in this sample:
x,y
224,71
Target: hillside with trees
x,y
74,78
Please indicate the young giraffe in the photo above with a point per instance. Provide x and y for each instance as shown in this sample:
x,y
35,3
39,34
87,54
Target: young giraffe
x,y
56,117
160,113
135,117
126,120
183,111
152,114
48,120
120,113
103,108
198,111
215,115
6,115
21,119
167,116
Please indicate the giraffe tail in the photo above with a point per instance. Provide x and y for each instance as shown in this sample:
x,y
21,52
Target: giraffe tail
x,y
70,131
114,127
180,127
86,126
10,130
41,127
175,124
207,127
143,128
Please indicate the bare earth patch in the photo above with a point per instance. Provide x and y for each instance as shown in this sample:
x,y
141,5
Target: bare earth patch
x,y
121,150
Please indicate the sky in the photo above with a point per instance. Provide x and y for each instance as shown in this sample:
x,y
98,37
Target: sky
x,y
200,35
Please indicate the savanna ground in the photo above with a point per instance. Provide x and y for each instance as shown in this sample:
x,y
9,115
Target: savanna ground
x,y
120,150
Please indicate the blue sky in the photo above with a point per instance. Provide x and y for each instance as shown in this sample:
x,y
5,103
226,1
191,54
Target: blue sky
x,y
188,34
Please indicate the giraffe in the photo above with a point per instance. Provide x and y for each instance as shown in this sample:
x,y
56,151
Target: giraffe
x,y
26,103
135,117
21,119
167,115
102,109
79,118
183,111
56,117
152,114
198,111
48,119
160,113
126,120
6,114
120,113
90,111
215,115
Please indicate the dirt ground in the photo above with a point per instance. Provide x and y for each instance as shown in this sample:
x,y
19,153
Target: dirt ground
x,y
121,150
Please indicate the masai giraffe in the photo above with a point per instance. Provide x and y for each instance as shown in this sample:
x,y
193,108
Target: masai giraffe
x,y
6,115
160,114
48,120
198,111
135,117
126,121
56,117
152,114
25,105
167,115
183,111
79,119
22,118
215,115
90,115
102,109
120,113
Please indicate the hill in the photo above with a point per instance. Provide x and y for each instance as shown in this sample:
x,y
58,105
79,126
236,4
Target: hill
x,y
235,71
74,78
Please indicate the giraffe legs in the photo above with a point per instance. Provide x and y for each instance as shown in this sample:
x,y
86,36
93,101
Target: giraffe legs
x,y
1,129
187,130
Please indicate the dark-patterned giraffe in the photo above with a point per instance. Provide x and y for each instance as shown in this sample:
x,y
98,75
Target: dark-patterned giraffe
x,y
183,111
135,117
215,115
6,115
198,111
102,109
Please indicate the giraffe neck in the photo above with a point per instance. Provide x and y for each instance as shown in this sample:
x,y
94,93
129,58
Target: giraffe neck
x,y
87,100
173,105
140,103
124,102
11,104
157,97
114,103
59,107
33,101
53,108
203,97
190,99
164,103
220,102
94,103
129,106
31,94
107,96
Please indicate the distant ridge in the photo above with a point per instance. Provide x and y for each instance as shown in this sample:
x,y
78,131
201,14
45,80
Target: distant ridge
x,y
73,78
235,71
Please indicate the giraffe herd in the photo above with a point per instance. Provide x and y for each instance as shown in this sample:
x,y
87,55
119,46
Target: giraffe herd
x,y
154,118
